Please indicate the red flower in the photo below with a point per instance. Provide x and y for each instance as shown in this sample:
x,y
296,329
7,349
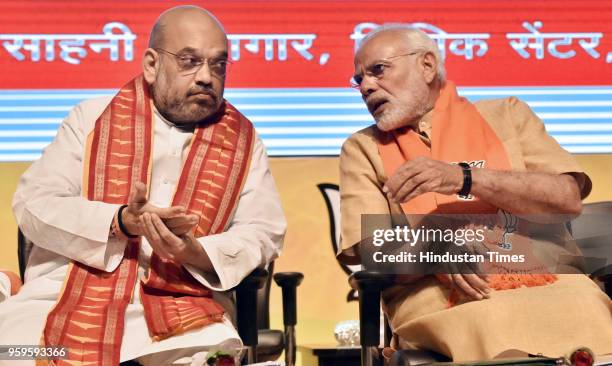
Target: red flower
x,y
225,360
582,357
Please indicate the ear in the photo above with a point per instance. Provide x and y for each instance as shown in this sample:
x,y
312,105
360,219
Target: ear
x,y
150,65
429,66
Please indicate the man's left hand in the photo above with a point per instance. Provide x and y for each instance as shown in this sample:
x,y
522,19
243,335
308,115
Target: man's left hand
x,y
421,175
184,249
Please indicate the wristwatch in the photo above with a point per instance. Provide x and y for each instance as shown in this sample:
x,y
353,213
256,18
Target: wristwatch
x,y
467,179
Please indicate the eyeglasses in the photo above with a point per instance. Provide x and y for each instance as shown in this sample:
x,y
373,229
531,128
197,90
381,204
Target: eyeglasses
x,y
377,69
190,64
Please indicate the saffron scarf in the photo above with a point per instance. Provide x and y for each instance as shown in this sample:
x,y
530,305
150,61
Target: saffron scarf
x,y
459,134
88,317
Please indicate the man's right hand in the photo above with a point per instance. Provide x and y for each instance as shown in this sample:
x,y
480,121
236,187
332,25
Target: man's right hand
x,y
474,286
175,217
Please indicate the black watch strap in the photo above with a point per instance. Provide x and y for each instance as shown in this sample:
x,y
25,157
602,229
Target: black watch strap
x,y
121,225
467,179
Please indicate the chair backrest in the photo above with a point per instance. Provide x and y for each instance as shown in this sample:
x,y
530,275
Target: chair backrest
x,y
331,195
592,230
263,301
24,247
595,220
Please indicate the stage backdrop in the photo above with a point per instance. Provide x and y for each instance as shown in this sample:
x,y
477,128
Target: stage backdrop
x,y
292,61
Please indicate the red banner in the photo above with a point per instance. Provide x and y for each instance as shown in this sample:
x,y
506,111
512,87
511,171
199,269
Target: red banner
x,y
64,44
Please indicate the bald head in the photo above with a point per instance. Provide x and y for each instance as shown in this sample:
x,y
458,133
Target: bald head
x,y
185,65
169,20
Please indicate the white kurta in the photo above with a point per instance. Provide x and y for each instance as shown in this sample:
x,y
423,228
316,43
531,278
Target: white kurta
x,y
65,226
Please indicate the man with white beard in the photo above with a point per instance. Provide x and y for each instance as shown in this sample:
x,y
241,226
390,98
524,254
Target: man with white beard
x,y
433,152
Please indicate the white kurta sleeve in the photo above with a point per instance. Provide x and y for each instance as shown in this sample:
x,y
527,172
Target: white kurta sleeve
x,y
49,207
255,234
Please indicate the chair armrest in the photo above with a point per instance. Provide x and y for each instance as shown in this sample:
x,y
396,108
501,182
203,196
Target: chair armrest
x,y
288,282
416,358
246,305
371,280
605,276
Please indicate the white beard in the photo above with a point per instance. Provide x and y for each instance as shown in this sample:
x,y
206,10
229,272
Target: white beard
x,y
396,116
393,118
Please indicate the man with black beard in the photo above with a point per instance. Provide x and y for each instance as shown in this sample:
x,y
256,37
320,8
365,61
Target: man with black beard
x,y
143,210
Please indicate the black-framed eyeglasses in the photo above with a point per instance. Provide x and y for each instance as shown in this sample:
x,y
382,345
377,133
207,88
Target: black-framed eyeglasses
x,y
190,64
377,69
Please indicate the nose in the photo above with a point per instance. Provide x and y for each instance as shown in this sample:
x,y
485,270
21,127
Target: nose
x,y
368,85
203,75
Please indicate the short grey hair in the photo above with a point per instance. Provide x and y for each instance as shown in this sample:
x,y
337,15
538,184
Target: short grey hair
x,y
417,40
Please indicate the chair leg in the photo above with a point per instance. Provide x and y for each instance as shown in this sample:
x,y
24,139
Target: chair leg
x,y
251,354
290,344
367,356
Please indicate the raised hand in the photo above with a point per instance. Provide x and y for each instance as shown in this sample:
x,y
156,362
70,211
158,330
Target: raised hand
x,y
421,175
183,249
176,218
